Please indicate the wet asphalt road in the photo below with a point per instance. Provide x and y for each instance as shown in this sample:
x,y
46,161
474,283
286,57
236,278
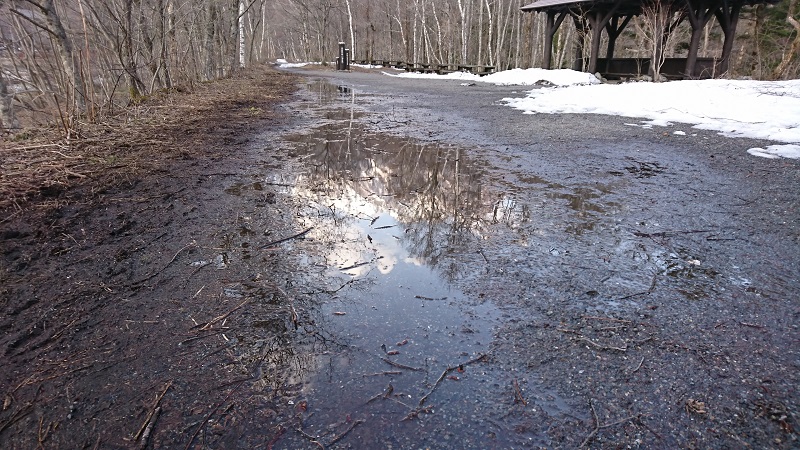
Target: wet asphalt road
x,y
645,279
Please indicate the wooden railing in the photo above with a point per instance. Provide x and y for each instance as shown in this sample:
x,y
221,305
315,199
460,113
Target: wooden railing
x,y
441,69
672,68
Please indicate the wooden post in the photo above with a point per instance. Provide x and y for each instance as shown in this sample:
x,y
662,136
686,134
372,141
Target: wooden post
x,y
614,29
342,62
699,13
597,25
728,18
551,26
598,22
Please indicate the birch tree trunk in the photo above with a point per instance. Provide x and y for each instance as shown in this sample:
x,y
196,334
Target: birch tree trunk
x,y
352,33
8,120
489,38
463,14
480,31
240,19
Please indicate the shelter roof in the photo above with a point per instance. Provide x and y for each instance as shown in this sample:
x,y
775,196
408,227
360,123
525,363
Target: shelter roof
x,y
543,5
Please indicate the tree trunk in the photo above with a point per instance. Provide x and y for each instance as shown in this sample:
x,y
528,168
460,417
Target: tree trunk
x,y
8,120
151,56
240,27
490,16
463,15
780,72
352,32
76,92
209,65
167,33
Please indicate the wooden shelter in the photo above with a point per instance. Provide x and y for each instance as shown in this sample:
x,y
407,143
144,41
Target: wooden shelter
x,y
594,16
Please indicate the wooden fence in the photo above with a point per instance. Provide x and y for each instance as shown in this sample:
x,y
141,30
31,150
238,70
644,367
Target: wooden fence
x,y
440,69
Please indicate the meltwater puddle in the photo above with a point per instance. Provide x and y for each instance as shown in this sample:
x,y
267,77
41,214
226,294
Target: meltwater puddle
x,y
400,352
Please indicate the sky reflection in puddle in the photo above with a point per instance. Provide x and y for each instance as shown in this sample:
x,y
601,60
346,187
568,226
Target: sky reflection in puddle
x,y
387,211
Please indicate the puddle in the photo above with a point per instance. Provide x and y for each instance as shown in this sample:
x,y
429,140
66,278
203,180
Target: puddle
x,y
386,210
327,93
394,219
393,329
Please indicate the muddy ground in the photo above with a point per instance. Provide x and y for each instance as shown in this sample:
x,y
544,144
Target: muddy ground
x,y
592,282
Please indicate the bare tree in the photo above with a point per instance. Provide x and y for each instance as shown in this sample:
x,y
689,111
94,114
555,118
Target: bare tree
x,y
49,20
8,120
791,53
658,20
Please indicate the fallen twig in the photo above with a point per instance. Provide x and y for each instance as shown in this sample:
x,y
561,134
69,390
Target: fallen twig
x,y
644,424
148,422
312,439
293,312
429,298
385,394
208,416
280,241
174,257
349,282
149,429
186,341
639,366
598,427
669,233
401,366
448,370
344,433
385,372
210,323
436,384
518,398
610,319
18,414
601,346
647,292
29,381
364,263
416,412
31,147
276,438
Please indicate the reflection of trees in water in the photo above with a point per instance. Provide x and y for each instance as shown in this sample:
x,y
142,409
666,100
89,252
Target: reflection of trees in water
x,y
433,190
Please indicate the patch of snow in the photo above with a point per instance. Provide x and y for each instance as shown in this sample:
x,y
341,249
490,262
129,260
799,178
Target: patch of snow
x,y
768,110
558,77
522,77
286,65
777,151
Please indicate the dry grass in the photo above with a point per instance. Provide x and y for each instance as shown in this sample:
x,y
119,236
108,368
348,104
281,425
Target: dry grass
x,y
37,166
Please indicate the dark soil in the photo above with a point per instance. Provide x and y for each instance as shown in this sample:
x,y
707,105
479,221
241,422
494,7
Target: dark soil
x,y
161,272
112,297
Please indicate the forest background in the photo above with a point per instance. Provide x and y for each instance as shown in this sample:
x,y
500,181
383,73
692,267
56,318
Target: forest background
x,y
63,62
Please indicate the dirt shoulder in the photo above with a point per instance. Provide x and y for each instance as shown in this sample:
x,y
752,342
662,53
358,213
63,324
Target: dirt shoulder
x,y
106,325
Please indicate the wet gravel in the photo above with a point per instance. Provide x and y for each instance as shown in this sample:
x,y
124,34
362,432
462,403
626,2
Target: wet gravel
x,y
646,281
